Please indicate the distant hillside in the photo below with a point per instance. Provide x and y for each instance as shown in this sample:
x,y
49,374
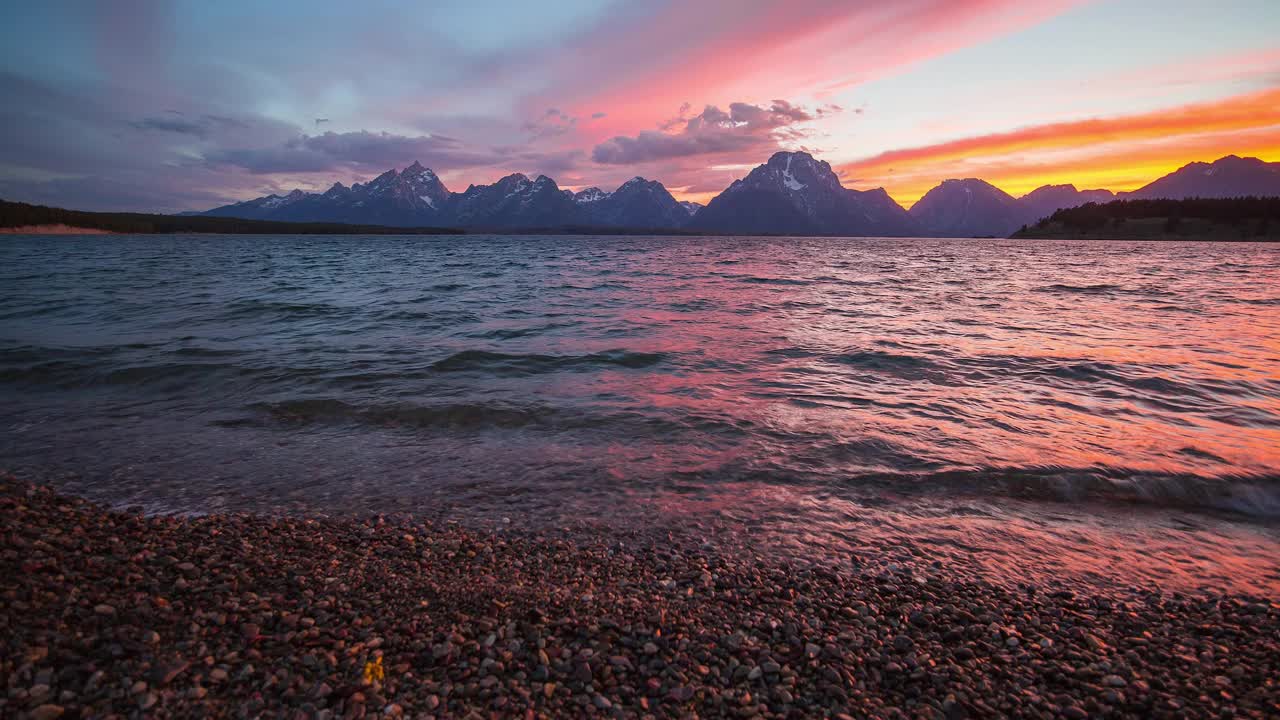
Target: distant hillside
x,y
1220,219
968,208
22,215
1227,177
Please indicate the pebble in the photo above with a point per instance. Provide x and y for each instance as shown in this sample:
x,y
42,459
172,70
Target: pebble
x,y
283,614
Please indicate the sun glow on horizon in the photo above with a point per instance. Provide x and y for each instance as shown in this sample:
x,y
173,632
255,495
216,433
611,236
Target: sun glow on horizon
x,y
1117,153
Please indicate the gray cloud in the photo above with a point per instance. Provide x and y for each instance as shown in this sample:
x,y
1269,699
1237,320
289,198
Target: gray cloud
x,y
548,163
175,124
745,127
361,150
552,123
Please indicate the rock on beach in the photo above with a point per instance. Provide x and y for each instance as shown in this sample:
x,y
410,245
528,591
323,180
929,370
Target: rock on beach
x,y
118,614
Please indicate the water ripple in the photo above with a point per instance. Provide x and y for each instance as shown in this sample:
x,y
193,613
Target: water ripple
x,y
828,390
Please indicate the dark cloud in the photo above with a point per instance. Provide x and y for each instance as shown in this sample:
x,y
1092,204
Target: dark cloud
x,y
745,127
362,151
597,115
549,163
552,123
167,190
174,124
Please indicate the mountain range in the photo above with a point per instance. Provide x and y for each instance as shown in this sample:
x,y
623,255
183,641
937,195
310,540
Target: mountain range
x,y
791,194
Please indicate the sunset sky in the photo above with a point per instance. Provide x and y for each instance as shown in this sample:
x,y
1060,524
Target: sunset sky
x,y
167,106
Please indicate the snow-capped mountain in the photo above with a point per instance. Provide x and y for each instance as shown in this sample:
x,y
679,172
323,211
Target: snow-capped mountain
x,y
637,203
515,201
1231,176
791,194
794,194
414,196
589,195
263,208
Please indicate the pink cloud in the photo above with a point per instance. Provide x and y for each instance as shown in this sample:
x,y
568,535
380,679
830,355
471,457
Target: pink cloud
x,y
745,128
714,52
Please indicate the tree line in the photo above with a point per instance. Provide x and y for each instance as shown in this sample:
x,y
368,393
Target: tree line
x,y
18,214
1259,214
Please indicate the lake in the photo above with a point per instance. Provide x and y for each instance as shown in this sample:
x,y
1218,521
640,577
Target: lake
x,y
1107,412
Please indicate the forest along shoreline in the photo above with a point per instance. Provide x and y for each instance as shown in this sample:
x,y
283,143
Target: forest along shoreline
x,y
113,612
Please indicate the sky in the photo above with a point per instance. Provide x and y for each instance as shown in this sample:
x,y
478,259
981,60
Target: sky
x,y
171,106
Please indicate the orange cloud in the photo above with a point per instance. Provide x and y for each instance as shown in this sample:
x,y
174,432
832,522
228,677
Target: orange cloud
x,y
1118,153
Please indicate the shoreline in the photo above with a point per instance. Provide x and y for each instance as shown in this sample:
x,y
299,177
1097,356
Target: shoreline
x,y
53,229
114,612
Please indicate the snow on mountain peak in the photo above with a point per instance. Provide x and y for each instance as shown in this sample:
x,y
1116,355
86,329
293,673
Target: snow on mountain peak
x,y
590,195
422,173
788,179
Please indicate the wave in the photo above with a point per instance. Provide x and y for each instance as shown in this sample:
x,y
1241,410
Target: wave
x,y
245,309
533,364
758,280
459,415
512,333
1256,496
1090,289
480,416
885,361
70,374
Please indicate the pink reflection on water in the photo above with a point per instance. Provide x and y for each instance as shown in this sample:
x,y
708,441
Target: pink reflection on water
x,y
1003,542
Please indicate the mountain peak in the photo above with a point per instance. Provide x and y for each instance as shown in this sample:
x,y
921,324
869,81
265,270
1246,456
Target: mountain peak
x,y
417,170
968,207
590,195
1229,176
792,193
783,156
796,194
385,177
1064,188
638,182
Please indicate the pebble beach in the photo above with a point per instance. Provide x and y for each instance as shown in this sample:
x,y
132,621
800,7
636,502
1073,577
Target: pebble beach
x,y
106,613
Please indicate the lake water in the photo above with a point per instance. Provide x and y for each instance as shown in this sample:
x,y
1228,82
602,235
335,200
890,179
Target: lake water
x,y
1090,411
